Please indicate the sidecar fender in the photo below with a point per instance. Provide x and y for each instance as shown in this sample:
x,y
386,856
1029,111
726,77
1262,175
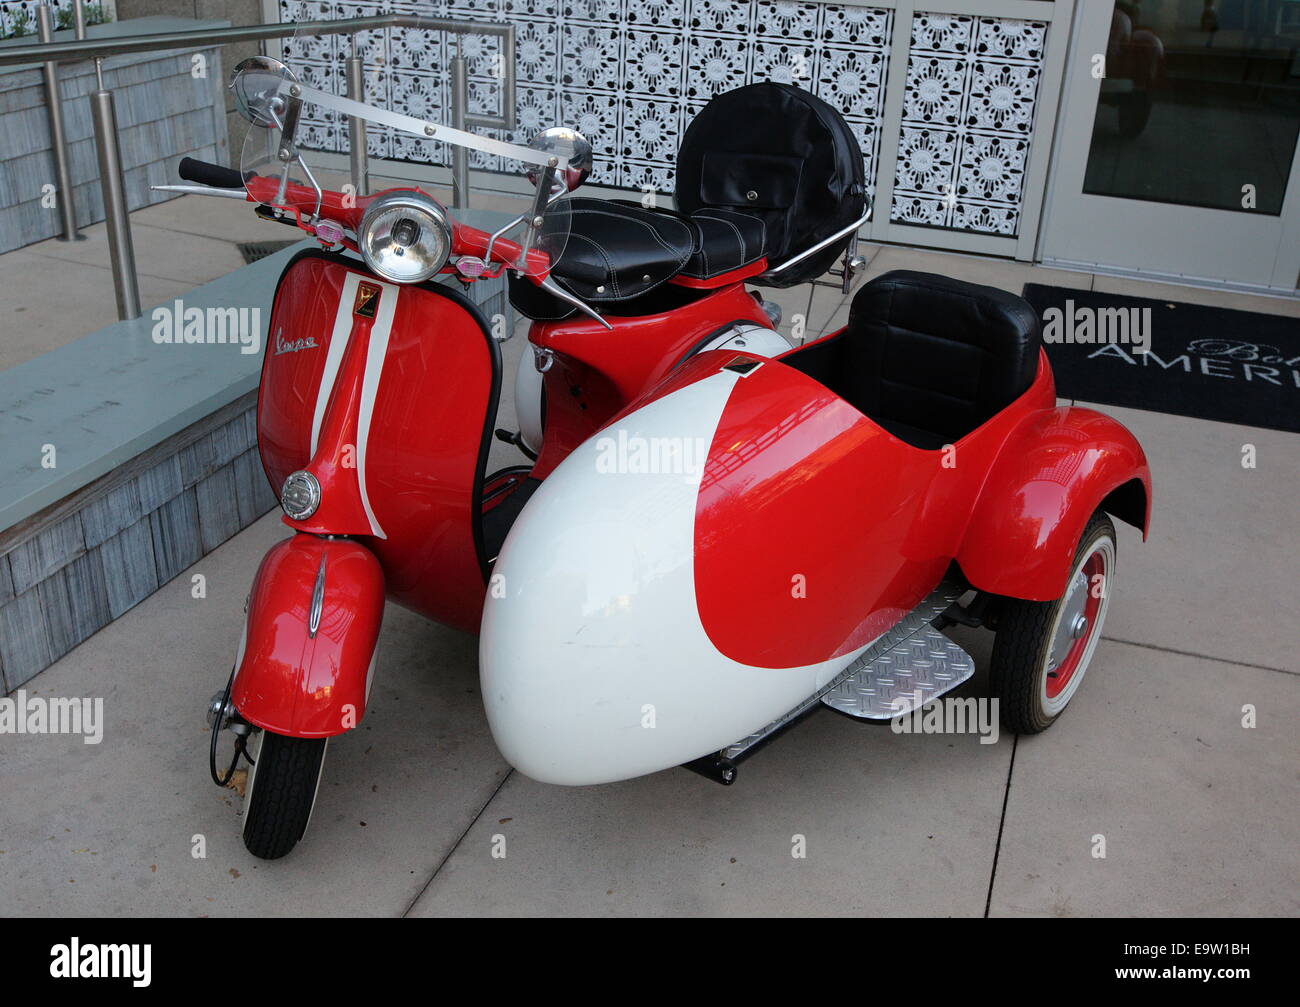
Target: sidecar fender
x,y
307,660
1054,471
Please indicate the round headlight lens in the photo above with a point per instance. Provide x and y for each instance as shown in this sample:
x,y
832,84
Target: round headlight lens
x,y
405,237
300,495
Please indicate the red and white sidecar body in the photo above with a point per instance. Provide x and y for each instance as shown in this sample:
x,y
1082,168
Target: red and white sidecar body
x,y
728,546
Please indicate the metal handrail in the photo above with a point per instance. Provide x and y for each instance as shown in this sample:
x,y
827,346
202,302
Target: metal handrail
x,y
100,48
51,53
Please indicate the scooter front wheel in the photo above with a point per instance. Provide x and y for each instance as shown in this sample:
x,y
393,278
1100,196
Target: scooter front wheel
x,y
281,793
1043,648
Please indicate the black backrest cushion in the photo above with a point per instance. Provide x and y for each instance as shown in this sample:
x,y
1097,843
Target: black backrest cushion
x,y
782,154
935,353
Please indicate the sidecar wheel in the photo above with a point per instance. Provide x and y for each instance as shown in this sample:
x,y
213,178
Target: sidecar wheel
x,y
281,793
1042,648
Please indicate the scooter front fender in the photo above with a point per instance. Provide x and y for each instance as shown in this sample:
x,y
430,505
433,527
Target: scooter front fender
x,y
307,661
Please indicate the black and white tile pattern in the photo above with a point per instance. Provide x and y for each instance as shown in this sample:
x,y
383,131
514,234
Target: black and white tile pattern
x,y
968,115
630,74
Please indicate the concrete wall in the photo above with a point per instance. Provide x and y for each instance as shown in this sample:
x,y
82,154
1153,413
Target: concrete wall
x,y
163,113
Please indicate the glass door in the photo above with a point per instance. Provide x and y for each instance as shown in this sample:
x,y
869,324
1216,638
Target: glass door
x,y
1177,153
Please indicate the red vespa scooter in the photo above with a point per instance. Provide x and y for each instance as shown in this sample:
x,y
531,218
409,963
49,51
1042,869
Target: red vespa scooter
x,y
379,386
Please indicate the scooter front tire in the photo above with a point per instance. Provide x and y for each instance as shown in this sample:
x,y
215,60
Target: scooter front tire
x,y
281,793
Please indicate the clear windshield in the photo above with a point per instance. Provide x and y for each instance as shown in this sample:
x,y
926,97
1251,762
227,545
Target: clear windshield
x,y
302,111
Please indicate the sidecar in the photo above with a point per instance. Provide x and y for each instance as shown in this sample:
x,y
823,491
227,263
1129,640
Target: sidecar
x,y
755,538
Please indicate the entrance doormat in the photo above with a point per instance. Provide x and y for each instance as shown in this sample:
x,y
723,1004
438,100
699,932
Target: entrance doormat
x,y
1209,363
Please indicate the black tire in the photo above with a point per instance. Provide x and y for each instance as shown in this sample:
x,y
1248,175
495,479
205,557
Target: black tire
x,y
1020,673
281,793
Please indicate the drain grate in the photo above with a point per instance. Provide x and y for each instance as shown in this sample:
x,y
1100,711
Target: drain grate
x,y
254,250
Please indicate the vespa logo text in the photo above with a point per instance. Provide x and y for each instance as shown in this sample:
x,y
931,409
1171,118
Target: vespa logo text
x,y
102,961
23,714
675,456
176,323
1098,326
283,345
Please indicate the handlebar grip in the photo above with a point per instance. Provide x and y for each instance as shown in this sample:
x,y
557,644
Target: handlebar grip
x,y
206,173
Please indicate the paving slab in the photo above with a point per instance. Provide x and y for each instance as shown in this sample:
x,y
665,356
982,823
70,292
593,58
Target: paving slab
x,y
162,252
46,304
893,824
1198,812
108,829
1216,573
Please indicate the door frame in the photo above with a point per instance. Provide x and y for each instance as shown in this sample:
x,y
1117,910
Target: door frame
x,y
1085,231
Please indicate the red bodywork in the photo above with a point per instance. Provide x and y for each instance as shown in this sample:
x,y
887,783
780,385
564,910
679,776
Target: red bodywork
x,y
598,372
296,682
385,399
836,529
432,377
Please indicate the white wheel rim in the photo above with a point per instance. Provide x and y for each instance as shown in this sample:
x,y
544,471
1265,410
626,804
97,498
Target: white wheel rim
x,y
252,777
1051,706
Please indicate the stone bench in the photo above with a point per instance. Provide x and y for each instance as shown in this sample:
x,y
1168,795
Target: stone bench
x,y
123,461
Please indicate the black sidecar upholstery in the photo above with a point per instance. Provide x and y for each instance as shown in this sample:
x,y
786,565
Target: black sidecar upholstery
x,y
927,357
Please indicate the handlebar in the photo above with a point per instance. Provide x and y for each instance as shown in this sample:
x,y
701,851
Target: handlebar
x,y
206,173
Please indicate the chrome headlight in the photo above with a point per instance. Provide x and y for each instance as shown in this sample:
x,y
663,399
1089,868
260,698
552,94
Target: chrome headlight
x,y
300,495
405,236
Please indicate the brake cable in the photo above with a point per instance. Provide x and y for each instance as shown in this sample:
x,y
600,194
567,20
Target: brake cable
x,y
241,742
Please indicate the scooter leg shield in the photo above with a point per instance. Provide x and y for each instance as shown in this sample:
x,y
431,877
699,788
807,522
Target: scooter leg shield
x,y
307,660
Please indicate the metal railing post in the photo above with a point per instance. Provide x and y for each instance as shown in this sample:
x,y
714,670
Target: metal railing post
x,y
357,126
459,155
120,249
58,138
78,20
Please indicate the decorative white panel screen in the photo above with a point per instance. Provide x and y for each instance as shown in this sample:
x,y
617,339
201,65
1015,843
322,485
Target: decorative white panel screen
x,y
630,74
968,115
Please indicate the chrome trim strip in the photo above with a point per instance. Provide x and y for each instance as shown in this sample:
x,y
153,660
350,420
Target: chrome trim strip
x,y
819,246
317,601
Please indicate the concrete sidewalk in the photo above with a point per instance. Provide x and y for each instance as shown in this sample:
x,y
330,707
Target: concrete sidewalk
x,y
1198,813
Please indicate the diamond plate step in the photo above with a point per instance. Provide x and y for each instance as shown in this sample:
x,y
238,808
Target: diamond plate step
x,y
914,622
903,678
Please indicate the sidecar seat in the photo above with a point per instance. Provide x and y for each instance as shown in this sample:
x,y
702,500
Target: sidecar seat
x,y
927,357
749,197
